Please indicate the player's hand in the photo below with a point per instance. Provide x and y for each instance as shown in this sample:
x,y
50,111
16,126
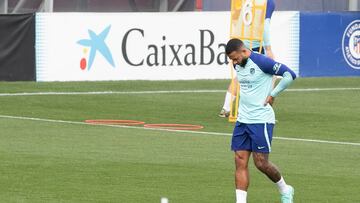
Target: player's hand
x,y
269,100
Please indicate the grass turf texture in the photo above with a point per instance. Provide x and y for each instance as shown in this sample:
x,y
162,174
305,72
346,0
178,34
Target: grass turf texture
x,y
52,162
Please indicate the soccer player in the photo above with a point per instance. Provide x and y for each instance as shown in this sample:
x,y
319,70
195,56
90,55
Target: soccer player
x,y
229,97
254,127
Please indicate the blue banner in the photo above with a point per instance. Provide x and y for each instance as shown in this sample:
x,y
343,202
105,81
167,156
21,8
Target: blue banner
x,y
329,44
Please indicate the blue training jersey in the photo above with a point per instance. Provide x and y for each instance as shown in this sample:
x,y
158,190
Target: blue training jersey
x,y
270,7
255,85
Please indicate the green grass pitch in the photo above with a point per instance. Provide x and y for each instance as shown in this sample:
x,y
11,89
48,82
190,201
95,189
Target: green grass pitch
x,y
62,162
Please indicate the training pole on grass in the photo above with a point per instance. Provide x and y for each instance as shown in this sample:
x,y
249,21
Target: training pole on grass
x,y
246,23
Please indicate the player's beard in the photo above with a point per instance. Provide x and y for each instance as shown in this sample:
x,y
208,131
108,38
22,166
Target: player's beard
x,y
243,62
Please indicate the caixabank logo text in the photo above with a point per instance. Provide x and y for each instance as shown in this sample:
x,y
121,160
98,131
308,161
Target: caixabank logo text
x,y
158,52
351,44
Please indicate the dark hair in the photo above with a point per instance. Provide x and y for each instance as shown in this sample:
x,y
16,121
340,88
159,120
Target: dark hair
x,y
233,45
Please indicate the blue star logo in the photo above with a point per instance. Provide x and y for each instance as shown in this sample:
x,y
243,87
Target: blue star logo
x,y
97,43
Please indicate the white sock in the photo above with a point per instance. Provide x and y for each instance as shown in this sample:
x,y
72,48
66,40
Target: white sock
x,y
227,102
240,196
282,186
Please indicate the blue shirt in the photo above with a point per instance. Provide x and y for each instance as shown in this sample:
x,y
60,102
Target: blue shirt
x,y
270,7
256,85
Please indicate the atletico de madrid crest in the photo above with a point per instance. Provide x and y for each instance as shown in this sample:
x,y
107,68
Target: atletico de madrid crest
x,y
252,71
351,44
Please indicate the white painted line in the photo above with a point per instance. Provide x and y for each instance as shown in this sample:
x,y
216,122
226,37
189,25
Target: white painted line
x,y
181,131
163,92
318,141
110,92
